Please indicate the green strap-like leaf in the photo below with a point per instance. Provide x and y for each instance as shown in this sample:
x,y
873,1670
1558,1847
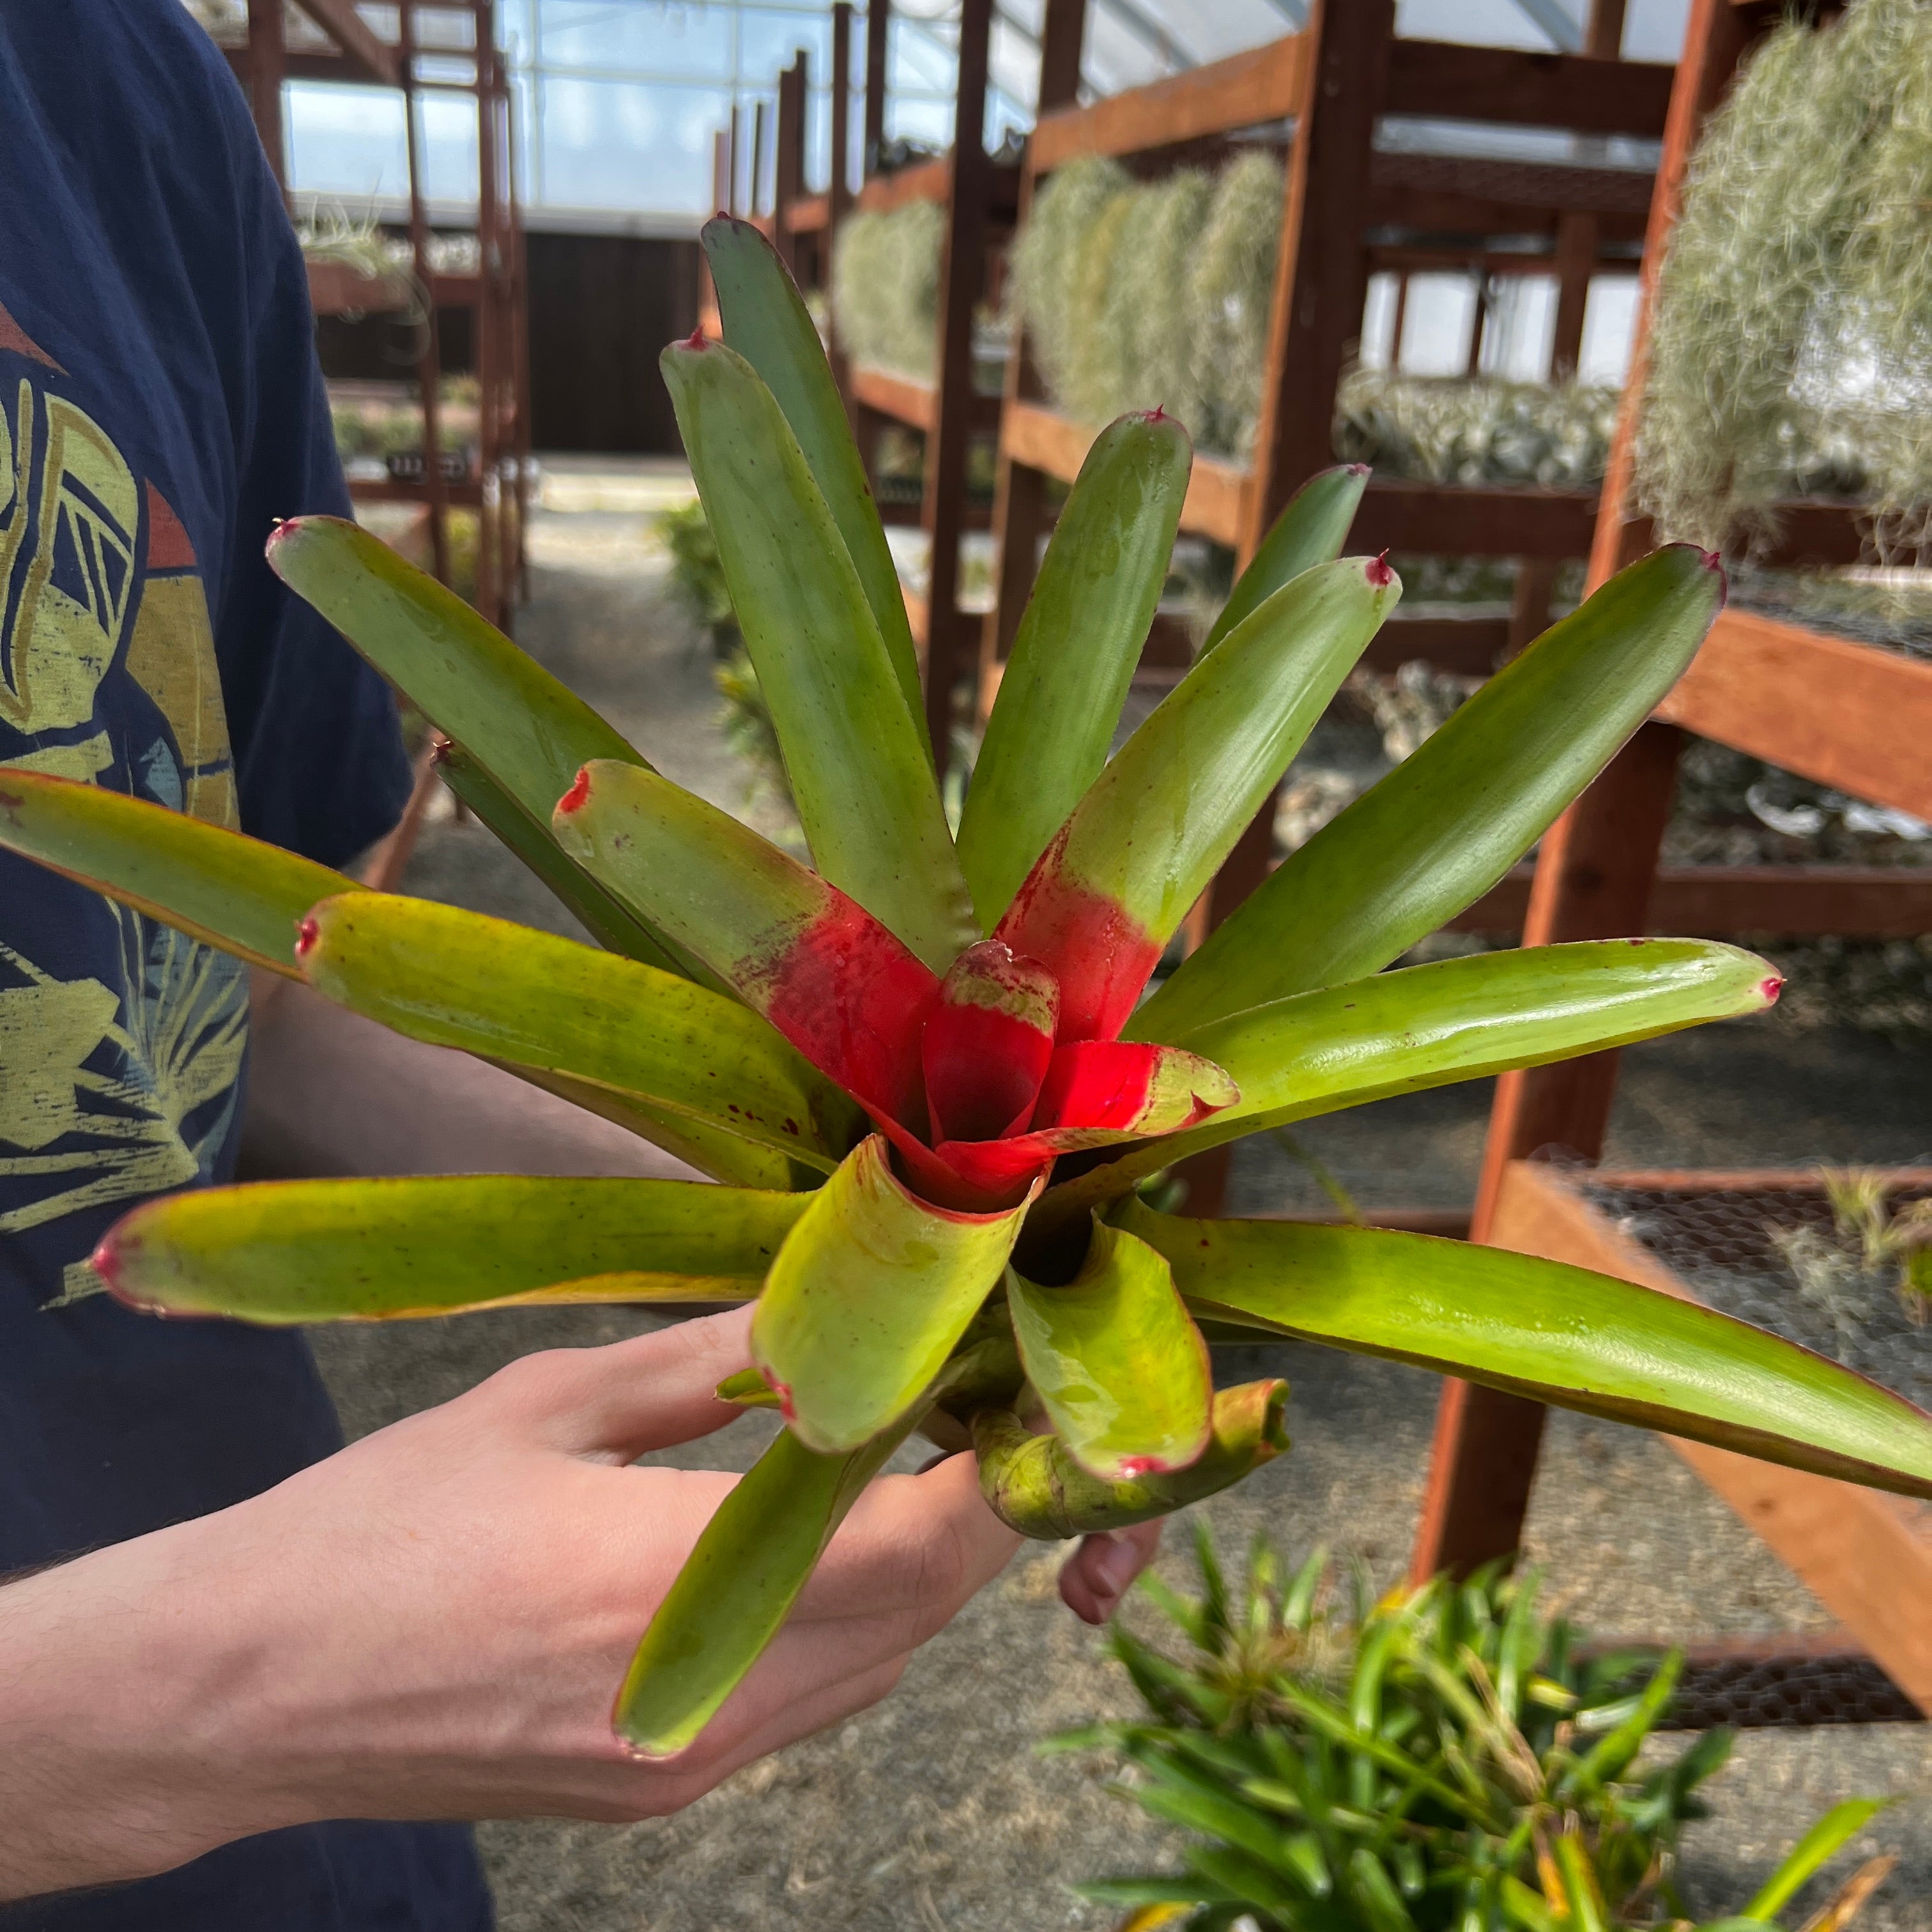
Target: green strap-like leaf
x,y
1429,1026
289,1251
1034,1485
236,893
752,1560
1310,530
1074,655
605,917
525,733
859,767
457,979
765,321
1542,1328
1117,1360
738,1586
867,1299
1155,826
1447,823
1825,1840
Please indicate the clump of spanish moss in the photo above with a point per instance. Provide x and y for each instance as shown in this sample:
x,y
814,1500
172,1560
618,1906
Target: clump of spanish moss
x,y
1792,345
1137,294
885,287
1475,429
1230,287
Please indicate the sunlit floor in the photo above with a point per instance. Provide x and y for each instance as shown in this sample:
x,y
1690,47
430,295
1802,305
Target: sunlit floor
x,y
932,1813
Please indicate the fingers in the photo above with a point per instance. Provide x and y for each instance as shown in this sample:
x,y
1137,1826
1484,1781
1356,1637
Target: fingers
x,y
914,1547
617,1402
1094,1578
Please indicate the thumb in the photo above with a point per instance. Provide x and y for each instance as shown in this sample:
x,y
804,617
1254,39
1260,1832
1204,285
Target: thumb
x,y
617,1402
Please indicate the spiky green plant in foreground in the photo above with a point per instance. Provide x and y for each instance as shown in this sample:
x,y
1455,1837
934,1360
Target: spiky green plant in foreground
x,y
925,1070
1446,1758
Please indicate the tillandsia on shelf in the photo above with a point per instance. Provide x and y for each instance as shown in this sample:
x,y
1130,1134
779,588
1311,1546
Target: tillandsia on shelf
x,y
925,1071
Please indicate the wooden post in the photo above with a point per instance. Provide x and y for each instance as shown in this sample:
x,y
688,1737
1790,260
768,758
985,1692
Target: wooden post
x,y
429,363
788,172
1062,39
488,313
757,189
1593,881
962,268
878,27
732,202
839,189
268,61
1019,492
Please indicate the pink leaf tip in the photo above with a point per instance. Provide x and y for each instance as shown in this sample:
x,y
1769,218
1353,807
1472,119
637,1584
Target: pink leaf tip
x,y
106,1262
698,339
306,933
574,800
1771,988
1356,468
1378,572
1143,1465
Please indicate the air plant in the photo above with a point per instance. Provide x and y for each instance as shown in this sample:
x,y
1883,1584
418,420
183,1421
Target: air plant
x,y
1445,1756
924,1072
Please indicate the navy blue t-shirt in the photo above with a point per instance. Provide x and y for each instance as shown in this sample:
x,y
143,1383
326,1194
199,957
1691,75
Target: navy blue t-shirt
x,y
159,407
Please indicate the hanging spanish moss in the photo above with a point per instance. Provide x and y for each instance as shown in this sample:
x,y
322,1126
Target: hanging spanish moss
x,y
1475,429
885,287
1136,295
1791,344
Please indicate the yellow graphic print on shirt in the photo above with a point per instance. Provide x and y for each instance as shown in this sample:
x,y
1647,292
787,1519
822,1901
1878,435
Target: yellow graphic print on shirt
x,y
111,1088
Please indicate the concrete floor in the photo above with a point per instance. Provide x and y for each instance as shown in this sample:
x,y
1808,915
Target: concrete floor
x,y
932,1812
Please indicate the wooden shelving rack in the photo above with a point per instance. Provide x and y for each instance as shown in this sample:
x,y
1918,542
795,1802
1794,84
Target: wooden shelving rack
x,y
495,481
1854,716
1347,208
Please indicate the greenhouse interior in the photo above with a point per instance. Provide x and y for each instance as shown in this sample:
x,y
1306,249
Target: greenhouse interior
x,y
985,633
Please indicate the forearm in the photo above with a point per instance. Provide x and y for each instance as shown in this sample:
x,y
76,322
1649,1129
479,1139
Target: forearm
x,y
117,1755
330,1093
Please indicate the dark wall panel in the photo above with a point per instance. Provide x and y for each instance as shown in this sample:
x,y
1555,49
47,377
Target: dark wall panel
x,y
601,308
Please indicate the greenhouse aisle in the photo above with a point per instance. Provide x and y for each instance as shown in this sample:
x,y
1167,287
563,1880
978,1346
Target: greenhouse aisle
x,y
932,1813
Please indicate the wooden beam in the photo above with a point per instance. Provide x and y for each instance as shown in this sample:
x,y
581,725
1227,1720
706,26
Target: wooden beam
x,y
962,281
1721,901
907,400
878,25
1062,35
1474,520
1853,716
336,288
1510,190
1585,95
267,66
838,197
1866,1555
372,57
1244,91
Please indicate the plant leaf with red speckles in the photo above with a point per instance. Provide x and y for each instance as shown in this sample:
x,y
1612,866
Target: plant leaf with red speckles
x,y
840,987
1546,1330
858,765
300,1251
1034,1485
1311,530
1074,654
1117,1359
1154,827
524,731
1438,831
1429,1026
868,1296
241,894
531,1000
765,321
988,1043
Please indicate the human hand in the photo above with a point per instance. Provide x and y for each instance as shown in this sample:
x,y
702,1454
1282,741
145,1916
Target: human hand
x,y
432,1624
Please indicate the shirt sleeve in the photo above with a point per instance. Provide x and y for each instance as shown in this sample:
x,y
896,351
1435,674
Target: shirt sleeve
x,y
320,762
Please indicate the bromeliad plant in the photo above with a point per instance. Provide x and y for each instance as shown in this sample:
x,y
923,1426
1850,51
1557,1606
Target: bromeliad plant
x,y
1447,1757
924,1071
